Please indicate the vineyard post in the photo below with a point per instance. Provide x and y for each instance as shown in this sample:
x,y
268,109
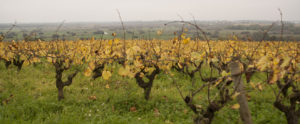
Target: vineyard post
x,y
241,98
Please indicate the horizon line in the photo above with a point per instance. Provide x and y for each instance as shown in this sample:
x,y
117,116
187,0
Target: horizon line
x,y
250,20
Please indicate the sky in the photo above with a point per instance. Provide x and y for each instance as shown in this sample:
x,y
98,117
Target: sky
x,y
30,11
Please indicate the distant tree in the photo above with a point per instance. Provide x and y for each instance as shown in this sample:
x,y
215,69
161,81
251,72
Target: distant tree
x,y
84,38
64,37
42,38
135,37
257,36
208,33
141,32
24,35
98,32
130,32
55,36
295,30
245,33
273,38
215,34
11,35
73,34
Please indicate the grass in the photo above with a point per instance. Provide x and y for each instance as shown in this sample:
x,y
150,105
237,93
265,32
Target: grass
x,y
32,98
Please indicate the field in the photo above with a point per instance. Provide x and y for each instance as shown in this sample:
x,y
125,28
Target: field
x,y
34,100
150,81
146,30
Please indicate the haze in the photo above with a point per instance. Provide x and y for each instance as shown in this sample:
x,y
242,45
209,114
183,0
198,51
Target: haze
x,y
28,11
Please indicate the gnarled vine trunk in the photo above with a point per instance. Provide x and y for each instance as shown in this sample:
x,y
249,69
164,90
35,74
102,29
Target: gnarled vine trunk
x,y
60,84
18,63
147,86
292,117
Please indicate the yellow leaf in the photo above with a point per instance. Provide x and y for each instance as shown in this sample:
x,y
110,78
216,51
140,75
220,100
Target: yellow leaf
x,y
91,65
23,57
224,73
170,73
275,76
157,49
93,38
142,75
117,41
136,48
107,86
276,61
197,56
179,65
35,59
126,72
262,63
87,72
235,95
250,66
122,71
26,63
259,86
149,70
218,82
138,64
214,60
286,62
186,41
110,42
175,39
106,75
235,106
252,85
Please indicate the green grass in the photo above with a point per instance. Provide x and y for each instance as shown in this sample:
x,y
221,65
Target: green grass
x,y
33,99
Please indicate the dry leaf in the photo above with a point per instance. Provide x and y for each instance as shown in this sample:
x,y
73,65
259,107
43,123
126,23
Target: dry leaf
x,y
198,106
259,86
248,97
133,109
156,112
185,111
113,108
93,97
252,85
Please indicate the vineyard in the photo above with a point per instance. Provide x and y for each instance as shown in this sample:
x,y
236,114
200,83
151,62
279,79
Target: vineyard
x,y
150,81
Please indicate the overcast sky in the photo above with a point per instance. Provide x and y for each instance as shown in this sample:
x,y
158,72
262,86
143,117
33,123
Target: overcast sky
x,y
25,11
